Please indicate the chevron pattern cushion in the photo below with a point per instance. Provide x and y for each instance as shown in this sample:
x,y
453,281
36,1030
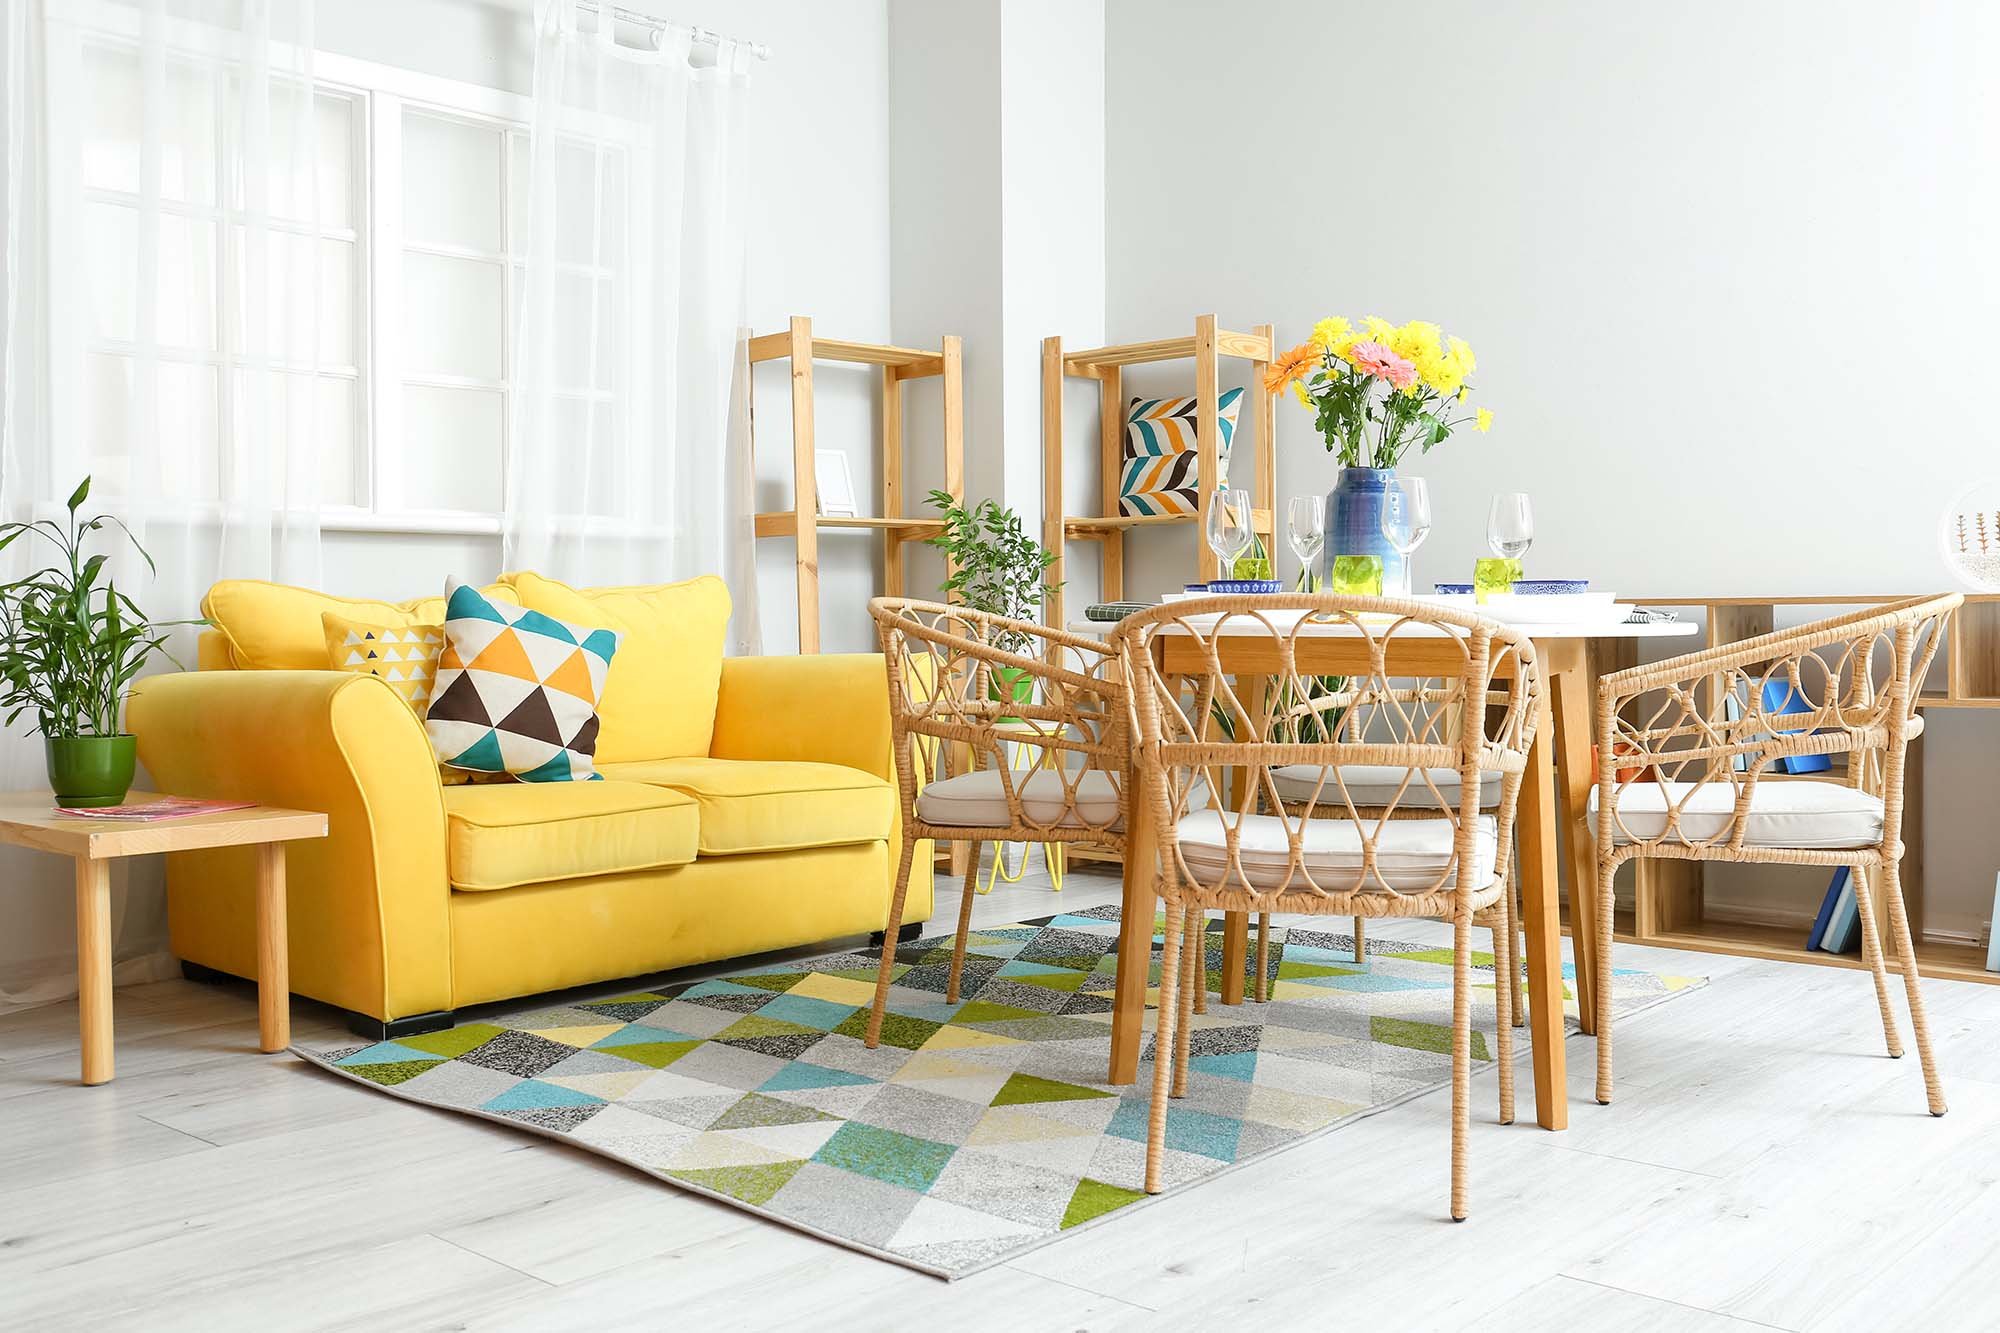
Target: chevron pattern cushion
x,y
517,691
1162,472
405,656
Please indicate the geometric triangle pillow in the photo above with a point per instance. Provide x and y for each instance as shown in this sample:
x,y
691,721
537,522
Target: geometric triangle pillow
x,y
406,656
517,690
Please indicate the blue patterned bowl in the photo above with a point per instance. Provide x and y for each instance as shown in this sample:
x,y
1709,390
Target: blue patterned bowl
x,y
1550,587
1233,587
1454,589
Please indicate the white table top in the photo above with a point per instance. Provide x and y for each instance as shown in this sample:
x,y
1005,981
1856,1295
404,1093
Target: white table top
x,y
1243,623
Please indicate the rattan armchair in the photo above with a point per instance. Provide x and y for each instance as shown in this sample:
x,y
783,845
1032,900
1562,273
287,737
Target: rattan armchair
x,y
963,687
1692,759
1323,847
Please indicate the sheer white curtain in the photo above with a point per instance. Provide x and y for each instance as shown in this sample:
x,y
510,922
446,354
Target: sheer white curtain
x,y
628,459
168,251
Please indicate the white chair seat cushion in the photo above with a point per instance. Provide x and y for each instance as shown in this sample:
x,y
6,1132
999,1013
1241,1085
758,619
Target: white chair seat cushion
x,y
1410,854
1375,785
1801,814
977,800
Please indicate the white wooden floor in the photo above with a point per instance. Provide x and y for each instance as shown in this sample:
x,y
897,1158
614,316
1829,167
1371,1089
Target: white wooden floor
x,y
1765,1165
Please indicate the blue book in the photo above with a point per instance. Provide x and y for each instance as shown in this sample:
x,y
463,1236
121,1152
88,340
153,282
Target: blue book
x,y
1780,698
1843,928
1826,906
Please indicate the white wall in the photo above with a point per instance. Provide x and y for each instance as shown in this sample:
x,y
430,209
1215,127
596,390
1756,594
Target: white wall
x,y
1728,270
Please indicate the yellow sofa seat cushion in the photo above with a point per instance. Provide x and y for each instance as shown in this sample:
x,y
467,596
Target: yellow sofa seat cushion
x,y
275,627
754,805
501,835
659,697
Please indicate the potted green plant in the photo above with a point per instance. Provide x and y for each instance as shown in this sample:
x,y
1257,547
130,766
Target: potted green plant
x,y
996,567
69,649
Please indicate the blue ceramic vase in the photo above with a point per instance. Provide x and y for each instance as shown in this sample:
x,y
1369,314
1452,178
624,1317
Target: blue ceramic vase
x,y
1354,522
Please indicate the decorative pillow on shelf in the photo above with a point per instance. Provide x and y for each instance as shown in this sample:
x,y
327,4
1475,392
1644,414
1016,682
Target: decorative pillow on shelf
x,y
406,656
1162,468
517,691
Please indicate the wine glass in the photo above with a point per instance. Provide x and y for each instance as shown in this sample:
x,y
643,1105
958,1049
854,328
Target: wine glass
x,y
1510,525
1305,529
1406,521
1228,528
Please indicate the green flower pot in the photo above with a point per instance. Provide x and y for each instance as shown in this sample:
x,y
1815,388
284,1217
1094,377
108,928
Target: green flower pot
x,y
91,770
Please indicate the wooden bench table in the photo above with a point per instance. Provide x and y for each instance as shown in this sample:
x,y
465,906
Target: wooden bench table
x,y
31,819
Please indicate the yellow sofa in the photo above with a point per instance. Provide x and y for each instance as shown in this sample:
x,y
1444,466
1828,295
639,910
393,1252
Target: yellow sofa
x,y
748,804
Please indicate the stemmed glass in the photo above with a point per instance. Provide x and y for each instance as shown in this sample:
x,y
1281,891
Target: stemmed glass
x,y
1510,525
1228,528
1305,529
1406,521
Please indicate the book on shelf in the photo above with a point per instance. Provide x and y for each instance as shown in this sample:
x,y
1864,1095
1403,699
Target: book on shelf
x,y
1826,906
1782,697
1843,925
1993,940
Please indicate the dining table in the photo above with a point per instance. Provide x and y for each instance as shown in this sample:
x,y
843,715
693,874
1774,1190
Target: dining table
x,y
1551,823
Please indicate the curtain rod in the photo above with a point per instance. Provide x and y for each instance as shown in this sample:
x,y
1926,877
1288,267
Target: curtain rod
x,y
703,35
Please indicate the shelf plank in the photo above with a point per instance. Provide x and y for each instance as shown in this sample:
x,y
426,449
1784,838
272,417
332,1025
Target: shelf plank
x,y
783,523
1952,962
911,362
1247,346
1096,526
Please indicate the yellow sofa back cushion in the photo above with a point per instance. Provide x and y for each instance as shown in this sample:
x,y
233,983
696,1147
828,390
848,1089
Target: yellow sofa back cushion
x,y
659,697
275,627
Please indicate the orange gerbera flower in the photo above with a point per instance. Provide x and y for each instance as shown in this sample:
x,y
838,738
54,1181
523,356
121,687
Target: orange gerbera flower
x,y
1293,365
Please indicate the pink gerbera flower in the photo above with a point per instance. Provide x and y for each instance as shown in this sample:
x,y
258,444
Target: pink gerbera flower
x,y
1372,358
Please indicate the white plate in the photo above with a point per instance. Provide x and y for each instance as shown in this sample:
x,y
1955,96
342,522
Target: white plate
x,y
1586,608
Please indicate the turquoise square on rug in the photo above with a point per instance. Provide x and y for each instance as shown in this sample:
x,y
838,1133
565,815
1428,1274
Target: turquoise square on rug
x,y
977,1130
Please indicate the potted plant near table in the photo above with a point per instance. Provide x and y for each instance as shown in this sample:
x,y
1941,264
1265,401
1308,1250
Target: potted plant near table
x,y
70,647
996,567
1376,391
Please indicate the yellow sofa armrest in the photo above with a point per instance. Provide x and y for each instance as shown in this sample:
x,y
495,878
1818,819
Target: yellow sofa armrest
x,y
369,903
827,708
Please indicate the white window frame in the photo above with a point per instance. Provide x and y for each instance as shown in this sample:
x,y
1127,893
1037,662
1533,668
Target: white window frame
x,y
379,93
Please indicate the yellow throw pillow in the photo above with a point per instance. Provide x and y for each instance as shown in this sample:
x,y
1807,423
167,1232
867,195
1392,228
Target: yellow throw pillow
x,y
659,697
274,627
406,656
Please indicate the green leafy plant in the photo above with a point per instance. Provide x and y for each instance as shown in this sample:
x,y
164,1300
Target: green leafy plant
x,y
70,646
996,567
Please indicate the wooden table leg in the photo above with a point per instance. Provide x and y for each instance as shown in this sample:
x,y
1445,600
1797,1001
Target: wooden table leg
x,y
1540,922
1135,941
1572,706
93,966
274,984
1235,954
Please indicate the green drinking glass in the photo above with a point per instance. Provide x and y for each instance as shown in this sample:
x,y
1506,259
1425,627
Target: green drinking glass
x,y
1357,575
1492,575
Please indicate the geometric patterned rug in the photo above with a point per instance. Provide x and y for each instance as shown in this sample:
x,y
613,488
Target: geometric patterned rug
x,y
977,1130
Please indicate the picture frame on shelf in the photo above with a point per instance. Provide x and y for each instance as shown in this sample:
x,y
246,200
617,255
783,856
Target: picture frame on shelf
x,y
833,485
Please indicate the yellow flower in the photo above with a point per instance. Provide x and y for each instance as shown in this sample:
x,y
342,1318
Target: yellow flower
x,y
1299,392
1462,393
1417,341
1330,331
1379,330
1484,421
1462,351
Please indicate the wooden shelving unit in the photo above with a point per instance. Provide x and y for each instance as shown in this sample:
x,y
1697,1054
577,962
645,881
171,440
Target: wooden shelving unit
x,y
802,521
1106,365
1668,895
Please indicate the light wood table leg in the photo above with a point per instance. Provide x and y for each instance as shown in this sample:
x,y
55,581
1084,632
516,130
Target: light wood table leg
x,y
1135,940
274,984
93,966
1540,922
1235,955
1574,731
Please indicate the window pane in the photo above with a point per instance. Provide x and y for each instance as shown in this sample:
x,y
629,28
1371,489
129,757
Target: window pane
x,y
590,205
309,315
127,400
590,432
451,448
451,323
183,261
340,477
118,114
451,182
584,316
517,193
307,417
302,158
